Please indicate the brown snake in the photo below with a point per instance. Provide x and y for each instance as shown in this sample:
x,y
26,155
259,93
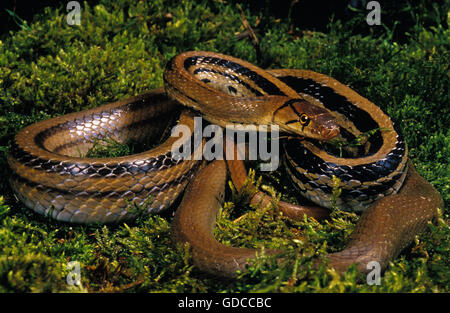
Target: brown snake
x,y
51,176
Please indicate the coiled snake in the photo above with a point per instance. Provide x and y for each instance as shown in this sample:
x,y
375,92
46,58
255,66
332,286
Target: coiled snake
x,y
51,177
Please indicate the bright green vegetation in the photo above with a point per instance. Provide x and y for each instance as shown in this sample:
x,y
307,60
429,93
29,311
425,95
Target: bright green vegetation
x,y
48,68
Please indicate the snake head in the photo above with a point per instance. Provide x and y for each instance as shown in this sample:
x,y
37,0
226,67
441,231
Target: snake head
x,y
303,118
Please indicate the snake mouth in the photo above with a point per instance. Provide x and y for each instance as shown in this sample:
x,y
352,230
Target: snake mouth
x,y
328,133
328,128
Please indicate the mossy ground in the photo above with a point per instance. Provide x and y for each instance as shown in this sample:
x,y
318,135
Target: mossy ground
x,y
49,68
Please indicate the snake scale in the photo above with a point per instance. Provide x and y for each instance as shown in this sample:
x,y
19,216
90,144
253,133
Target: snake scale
x,y
52,176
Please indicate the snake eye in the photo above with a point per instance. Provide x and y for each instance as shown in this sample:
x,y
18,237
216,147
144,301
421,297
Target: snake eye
x,y
304,119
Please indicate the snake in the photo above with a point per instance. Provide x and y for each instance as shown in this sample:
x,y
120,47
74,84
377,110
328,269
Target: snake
x,y
52,175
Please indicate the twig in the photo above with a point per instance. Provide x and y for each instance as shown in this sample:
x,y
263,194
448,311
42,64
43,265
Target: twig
x,y
247,26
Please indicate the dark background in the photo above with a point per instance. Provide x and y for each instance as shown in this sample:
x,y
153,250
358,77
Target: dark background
x,y
312,15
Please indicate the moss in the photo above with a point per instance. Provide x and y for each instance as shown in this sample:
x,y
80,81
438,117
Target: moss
x,y
49,68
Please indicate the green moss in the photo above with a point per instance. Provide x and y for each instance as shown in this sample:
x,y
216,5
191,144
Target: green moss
x,y
49,68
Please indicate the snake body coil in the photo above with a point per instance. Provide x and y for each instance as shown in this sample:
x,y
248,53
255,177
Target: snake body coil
x,y
51,177
377,173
